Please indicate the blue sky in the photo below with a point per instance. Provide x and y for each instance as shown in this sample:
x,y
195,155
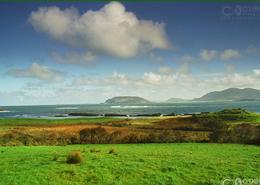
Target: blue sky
x,y
62,53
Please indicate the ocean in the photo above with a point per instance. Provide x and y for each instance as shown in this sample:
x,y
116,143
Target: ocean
x,y
52,111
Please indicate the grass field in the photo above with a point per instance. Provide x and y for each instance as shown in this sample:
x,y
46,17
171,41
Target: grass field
x,y
63,121
227,126
230,116
131,164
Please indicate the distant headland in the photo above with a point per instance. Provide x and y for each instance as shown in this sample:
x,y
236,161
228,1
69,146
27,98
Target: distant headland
x,y
230,94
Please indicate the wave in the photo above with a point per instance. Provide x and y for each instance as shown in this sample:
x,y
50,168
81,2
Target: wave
x,y
129,106
3,111
115,107
67,108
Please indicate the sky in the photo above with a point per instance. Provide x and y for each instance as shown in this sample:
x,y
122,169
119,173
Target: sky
x,y
70,53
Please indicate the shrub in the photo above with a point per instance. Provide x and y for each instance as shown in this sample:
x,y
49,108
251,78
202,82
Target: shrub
x,y
115,137
132,138
234,111
55,157
94,135
213,123
74,140
245,133
13,143
112,151
74,158
93,150
152,137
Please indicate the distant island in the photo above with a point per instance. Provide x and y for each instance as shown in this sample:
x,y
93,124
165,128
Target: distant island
x,y
126,100
231,94
176,100
1,109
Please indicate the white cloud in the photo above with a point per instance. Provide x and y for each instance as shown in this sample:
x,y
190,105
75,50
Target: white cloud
x,y
152,78
227,54
37,71
186,59
208,55
111,30
13,97
165,70
116,79
181,85
256,72
184,68
74,58
149,85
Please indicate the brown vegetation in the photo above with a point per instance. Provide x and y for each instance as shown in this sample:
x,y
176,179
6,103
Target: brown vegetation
x,y
74,157
196,128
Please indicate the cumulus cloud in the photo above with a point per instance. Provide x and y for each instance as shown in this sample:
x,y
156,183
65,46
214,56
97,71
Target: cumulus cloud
x,y
208,55
111,30
116,79
150,85
256,72
186,59
74,58
184,68
227,54
152,78
165,70
37,71
157,86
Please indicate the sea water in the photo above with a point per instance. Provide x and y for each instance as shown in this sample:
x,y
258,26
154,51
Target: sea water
x,y
52,111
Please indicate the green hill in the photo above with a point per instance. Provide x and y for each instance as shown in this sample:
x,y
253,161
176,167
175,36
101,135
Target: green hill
x,y
126,100
231,94
176,100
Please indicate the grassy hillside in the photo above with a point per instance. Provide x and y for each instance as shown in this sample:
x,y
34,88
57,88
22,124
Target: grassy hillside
x,y
234,94
135,164
232,116
227,126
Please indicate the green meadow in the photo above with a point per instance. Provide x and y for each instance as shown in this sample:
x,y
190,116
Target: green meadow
x,y
59,121
130,164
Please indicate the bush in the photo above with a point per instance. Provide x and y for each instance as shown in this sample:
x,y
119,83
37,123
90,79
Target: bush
x,y
93,150
55,157
234,111
212,123
19,138
115,137
94,135
245,133
112,151
74,158
13,143
133,138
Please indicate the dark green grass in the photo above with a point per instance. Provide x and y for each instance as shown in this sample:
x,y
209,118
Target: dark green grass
x,y
232,116
133,164
33,121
